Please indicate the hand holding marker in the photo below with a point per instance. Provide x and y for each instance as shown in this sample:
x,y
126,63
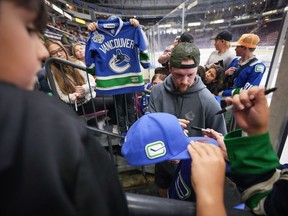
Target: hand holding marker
x,y
201,129
267,91
204,130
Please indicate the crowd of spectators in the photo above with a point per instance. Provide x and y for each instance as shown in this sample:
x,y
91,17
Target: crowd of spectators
x,y
267,31
62,169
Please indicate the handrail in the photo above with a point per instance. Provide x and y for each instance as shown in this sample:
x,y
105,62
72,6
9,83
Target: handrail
x,y
48,63
144,205
55,92
59,30
96,130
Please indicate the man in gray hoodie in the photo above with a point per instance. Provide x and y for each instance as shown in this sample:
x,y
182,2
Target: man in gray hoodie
x,y
184,95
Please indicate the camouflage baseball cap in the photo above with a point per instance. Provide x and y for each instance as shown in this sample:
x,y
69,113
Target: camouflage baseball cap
x,y
185,51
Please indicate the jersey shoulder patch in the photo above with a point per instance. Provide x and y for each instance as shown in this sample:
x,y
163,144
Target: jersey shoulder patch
x,y
259,68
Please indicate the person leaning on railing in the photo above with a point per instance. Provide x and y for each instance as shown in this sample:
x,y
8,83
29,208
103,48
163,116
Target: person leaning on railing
x,y
73,87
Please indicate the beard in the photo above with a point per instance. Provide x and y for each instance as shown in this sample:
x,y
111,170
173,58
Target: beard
x,y
183,88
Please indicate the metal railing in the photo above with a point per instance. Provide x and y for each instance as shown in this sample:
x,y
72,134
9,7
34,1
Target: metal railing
x,y
95,114
144,205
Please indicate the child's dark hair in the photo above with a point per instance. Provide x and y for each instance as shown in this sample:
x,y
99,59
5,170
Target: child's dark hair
x,y
201,71
160,70
37,6
219,72
160,76
217,84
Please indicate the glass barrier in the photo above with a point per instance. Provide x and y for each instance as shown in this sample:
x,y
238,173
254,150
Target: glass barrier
x,y
205,20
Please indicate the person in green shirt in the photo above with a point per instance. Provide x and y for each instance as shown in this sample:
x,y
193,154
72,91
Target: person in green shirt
x,y
255,167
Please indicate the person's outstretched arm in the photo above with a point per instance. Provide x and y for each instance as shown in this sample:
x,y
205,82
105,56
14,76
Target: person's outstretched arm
x,y
251,111
207,178
165,56
252,158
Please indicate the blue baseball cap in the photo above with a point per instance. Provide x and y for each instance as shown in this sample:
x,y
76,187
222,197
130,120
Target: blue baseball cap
x,y
157,137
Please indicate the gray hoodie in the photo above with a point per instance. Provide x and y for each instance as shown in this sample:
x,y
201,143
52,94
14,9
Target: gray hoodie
x,y
197,105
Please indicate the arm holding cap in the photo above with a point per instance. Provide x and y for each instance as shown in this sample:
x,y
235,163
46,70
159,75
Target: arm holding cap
x,y
252,158
207,161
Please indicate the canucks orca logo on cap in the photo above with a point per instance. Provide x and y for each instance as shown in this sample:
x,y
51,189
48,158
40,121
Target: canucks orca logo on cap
x,y
155,150
157,137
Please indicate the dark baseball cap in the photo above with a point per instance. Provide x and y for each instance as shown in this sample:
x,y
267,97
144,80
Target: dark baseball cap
x,y
224,35
183,51
186,37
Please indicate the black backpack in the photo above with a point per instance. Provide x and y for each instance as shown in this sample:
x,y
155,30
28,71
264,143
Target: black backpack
x,y
229,80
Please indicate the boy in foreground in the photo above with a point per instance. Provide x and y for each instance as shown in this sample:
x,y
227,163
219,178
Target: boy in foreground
x,y
49,164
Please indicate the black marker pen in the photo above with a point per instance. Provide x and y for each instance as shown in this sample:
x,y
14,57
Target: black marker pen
x,y
201,129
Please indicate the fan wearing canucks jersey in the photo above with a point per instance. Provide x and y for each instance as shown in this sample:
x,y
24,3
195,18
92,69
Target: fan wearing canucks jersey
x,y
113,53
246,70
